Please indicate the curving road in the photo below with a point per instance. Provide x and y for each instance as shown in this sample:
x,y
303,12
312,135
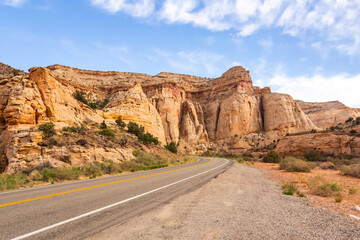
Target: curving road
x,y
76,210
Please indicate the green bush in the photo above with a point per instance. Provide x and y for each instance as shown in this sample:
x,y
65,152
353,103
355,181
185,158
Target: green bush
x,y
15,72
93,105
350,119
171,147
73,129
291,164
319,186
357,120
48,129
120,123
289,188
139,131
314,156
353,131
107,132
103,125
271,157
134,128
80,96
14,181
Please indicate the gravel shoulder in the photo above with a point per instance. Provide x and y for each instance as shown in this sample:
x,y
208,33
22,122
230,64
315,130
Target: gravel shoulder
x,y
242,203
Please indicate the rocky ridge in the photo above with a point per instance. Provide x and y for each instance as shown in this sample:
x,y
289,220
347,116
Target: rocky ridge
x,y
196,113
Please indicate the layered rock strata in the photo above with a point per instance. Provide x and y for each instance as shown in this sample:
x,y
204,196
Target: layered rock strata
x,y
193,111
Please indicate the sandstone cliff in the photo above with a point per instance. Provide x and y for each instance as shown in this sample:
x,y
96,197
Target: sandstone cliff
x,y
195,112
327,114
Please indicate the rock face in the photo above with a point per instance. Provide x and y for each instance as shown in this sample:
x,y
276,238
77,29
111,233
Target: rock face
x,y
195,112
327,114
133,105
323,143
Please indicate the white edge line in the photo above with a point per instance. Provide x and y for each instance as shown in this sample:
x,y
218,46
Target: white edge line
x,y
111,205
88,180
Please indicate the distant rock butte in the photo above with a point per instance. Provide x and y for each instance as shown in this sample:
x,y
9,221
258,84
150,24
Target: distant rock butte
x,y
195,112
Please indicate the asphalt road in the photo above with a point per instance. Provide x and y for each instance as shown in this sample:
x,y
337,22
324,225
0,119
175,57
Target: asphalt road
x,y
80,209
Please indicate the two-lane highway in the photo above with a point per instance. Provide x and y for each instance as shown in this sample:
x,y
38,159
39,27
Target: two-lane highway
x,y
79,209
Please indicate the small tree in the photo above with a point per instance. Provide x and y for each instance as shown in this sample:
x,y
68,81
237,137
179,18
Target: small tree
x,y
171,147
120,123
350,119
48,129
103,125
80,96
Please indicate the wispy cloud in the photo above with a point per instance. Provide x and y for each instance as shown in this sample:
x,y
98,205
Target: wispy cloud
x,y
13,3
135,8
335,22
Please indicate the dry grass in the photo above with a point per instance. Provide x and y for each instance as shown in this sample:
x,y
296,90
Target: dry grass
x,y
352,170
292,164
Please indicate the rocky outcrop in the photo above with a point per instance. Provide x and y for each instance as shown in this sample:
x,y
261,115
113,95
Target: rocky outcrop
x,y
327,114
283,115
133,105
322,143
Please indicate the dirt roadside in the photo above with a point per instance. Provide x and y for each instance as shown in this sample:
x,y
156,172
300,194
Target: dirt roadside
x,y
242,203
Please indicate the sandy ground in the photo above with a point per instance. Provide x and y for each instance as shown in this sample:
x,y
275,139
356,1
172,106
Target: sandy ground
x,y
345,208
242,203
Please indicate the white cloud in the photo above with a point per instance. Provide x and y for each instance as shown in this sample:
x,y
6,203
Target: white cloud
x,y
335,22
135,8
14,3
319,88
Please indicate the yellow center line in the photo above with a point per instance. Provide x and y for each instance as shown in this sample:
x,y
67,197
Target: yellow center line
x,y
96,186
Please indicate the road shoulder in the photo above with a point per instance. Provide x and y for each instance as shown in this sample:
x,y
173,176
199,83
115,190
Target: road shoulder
x,y
242,203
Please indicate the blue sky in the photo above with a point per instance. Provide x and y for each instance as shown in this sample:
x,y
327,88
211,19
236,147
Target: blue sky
x,y
309,49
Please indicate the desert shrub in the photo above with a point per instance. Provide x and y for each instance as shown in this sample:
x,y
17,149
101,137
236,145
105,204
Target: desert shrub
x,y
107,132
171,147
74,129
350,119
314,156
351,170
240,160
271,157
289,188
353,190
313,130
93,105
48,174
321,187
67,173
69,129
120,123
103,125
338,199
15,72
80,96
134,128
136,152
353,131
14,181
148,138
102,104
292,164
357,120
139,131
48,129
